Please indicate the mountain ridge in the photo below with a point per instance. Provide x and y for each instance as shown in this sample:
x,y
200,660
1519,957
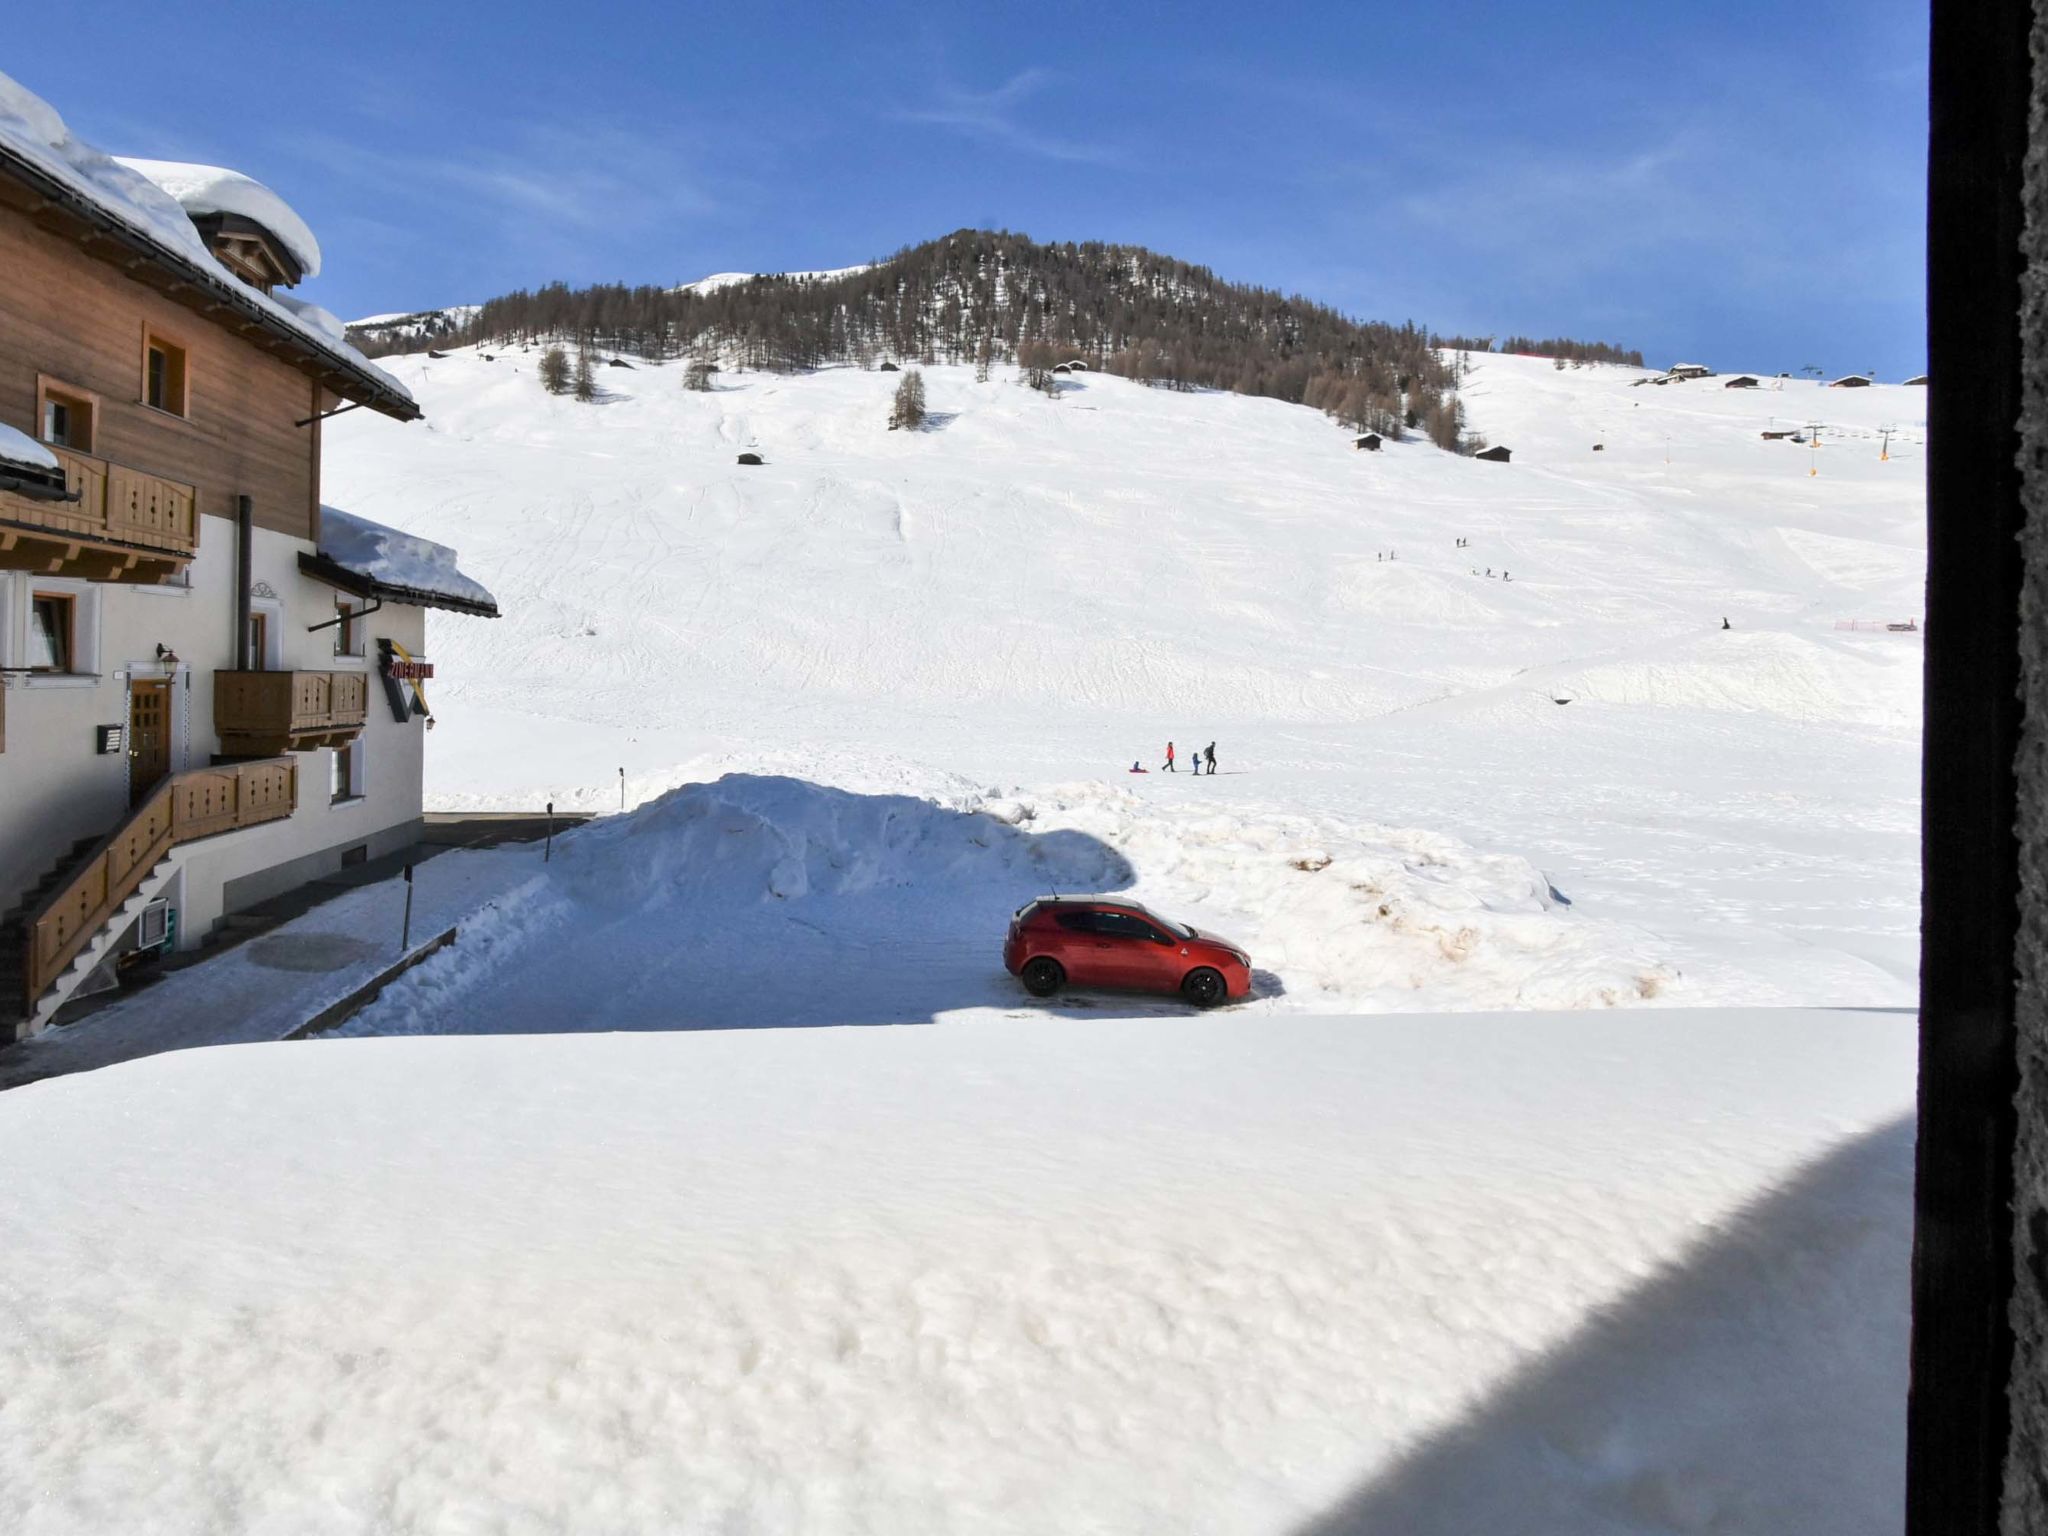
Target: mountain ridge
x,y
987,297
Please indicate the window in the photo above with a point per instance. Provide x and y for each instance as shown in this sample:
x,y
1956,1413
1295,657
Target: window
x,y
345,777
66,416
347,642
52,632
1121,925
163,374
259,641
49,631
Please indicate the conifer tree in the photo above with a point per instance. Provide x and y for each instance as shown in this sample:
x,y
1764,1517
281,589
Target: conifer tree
x,y
554,371
909,407
586,382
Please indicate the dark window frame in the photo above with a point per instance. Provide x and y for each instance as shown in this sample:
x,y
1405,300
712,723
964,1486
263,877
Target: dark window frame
x,y
65,635
168,389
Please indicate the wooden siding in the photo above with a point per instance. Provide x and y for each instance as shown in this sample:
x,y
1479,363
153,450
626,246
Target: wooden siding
x,y
78,319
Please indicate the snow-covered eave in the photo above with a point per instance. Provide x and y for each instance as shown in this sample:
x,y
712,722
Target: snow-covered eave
x,y
210,293
326,568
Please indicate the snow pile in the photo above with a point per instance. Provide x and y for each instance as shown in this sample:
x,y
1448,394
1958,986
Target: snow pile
x,y
747,838
20,450
204,189
31,129
396,559
1542,1274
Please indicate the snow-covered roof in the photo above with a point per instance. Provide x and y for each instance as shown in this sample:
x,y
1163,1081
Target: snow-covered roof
x,y
389,563
35,143
20,451
204,189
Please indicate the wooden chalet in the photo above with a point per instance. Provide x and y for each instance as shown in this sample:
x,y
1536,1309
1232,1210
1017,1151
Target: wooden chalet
x,y
166,665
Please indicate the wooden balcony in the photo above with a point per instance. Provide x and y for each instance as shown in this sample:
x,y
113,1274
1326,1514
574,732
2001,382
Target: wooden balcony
x,y
262,714
126,526
204,802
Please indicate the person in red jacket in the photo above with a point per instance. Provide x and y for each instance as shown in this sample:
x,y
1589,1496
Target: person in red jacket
x,y
1169,759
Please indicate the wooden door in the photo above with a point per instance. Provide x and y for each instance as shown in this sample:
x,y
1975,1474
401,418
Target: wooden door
x,y
149,735
259,641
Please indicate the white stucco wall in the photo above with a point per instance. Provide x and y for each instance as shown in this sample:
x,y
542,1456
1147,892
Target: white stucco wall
x,y
54,788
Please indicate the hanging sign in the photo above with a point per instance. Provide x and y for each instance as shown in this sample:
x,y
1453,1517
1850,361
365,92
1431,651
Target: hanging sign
x,y
404,675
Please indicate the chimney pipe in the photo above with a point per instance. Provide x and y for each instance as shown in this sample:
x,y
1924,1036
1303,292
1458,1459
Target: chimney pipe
x,y
244,537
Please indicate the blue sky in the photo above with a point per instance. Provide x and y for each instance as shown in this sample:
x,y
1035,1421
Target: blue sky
x,y
1741,184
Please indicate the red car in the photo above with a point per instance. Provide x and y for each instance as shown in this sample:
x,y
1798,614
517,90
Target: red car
x,y
1098,941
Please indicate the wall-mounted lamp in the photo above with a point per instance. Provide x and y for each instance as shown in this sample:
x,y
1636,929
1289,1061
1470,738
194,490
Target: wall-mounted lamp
x,y
166,655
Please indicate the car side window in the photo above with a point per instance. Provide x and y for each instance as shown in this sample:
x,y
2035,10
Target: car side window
x,y
1121,925
1077,922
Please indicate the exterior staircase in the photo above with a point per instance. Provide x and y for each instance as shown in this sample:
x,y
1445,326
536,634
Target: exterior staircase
x,y
61,932
19,1018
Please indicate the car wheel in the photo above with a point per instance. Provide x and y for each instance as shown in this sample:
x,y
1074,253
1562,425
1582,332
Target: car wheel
x,y
1204,988
1042,977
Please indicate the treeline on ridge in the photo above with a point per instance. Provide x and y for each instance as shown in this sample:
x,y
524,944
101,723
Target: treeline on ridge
x,y
984,297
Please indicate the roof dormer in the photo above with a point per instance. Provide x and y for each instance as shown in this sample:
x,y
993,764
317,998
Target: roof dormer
x,y
248,228
249,251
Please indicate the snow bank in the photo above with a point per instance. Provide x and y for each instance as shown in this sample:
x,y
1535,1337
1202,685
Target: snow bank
x,y
1584,1273
32,129
394,558
19,449
204,189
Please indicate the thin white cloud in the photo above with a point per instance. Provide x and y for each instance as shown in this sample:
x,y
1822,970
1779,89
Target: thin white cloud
x,y
1003,116
575,176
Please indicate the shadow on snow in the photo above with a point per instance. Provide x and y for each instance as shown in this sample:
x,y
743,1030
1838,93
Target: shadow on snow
x,y
1755,1383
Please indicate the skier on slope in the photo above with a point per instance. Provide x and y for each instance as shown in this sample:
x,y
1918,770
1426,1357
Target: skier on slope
x,y
1169,759
1211,755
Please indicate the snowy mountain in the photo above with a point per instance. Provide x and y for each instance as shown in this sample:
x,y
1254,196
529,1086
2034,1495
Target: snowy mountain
x,y
718,280
411,331
1415,665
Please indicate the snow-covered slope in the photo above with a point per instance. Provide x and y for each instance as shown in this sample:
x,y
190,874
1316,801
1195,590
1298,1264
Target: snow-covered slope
x,y
1036,592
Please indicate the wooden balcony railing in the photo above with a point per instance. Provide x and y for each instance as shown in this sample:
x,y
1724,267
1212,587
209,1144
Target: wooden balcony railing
x,y
260,714
125,526
185,807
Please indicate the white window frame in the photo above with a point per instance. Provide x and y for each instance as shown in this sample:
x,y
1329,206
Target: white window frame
x,y
272,609
356,610
358,764
17,604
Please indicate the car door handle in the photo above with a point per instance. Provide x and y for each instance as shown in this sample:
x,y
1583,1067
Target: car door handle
x,y
1102,944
